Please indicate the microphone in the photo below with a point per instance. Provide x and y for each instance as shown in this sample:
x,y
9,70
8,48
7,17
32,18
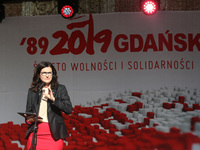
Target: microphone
x,y
42,85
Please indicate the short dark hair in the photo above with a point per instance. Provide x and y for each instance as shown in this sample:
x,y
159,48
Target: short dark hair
x,y
36,82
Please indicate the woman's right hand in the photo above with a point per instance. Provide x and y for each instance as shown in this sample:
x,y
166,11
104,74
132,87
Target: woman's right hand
x,y
32,118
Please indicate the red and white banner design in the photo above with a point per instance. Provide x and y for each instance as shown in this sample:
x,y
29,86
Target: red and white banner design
x,y
98,54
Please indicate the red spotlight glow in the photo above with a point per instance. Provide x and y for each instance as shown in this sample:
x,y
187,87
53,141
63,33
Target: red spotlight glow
x,y
67,11
149,7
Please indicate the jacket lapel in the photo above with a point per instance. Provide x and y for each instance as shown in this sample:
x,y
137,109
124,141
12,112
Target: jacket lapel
x,y
37,98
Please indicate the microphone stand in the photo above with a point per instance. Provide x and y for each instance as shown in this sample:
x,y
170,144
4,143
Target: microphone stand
x,y
34,137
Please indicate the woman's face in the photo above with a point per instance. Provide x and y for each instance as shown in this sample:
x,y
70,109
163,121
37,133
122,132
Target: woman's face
x,y
46,75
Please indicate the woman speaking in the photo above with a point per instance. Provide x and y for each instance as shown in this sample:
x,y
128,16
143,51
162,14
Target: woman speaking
x,y
54,100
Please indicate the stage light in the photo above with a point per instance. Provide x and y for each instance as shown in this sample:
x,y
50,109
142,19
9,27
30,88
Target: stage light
x,y
67,8
67,11
150,7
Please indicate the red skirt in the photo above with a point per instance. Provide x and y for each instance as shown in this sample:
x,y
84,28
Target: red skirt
x,y
45,140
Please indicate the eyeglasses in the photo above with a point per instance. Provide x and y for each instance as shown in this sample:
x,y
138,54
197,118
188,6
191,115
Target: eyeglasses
x,y
46,73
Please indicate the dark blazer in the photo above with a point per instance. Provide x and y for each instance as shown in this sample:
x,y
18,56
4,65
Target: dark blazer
x,y
62,103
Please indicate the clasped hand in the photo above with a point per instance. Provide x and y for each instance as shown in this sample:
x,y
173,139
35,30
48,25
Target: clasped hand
x,y
49,94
